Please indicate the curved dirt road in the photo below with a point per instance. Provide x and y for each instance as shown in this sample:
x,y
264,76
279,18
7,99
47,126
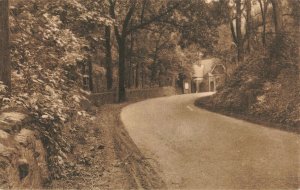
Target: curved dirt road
x,y
197,149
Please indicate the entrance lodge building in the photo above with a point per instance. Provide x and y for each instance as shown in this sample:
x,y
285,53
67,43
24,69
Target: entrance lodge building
x,y
208,75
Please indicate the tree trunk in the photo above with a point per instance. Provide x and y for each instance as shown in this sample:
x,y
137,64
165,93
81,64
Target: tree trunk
x,y
133,75
233,34
143,75
129,74
264,29
264,9
121,39
154,67
108,57
277,16
137,76
249,24
240,48
122,59
130,61
153,73
5,67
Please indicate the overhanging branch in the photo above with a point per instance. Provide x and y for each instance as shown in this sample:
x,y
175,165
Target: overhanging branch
x,y
153,19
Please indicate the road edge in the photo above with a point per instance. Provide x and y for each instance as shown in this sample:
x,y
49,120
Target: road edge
x,y
140,170
201,103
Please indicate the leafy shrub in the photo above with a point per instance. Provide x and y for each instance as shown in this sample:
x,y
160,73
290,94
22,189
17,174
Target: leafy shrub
x,y
266,87
45,50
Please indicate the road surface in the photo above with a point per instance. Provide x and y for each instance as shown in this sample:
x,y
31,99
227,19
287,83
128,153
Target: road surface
x,y
196,149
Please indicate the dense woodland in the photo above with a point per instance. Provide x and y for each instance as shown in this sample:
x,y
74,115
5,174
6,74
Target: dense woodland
x,y
54,54
265,84
58,48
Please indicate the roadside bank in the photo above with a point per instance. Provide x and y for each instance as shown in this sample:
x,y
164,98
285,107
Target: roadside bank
x,y
104,156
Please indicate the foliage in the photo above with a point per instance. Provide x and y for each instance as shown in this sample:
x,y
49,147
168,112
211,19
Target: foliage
x,y
46,49
265,86
3,92
280,101
198,25
46,85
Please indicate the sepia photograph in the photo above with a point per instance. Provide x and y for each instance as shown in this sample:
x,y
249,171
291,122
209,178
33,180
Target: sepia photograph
x,y
150,94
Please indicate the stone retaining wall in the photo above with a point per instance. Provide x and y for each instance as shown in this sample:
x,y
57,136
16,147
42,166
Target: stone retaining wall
x,y
132,95
103,98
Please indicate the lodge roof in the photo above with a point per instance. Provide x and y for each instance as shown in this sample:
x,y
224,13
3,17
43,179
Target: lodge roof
x,y
201,68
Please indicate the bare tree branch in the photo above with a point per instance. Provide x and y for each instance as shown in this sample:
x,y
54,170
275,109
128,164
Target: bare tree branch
x,y
153,19
128,18
113,15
